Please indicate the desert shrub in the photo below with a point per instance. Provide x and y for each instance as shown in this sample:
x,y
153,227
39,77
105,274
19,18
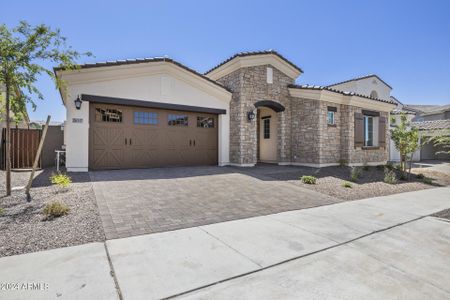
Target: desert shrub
x,y
342,163
347,184
427,180
389,166
2,210
355,174
365,167
389,177
55,209
308,179
61,180
420,176
402,176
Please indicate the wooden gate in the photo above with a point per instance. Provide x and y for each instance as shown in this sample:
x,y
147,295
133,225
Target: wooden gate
x,y
24,144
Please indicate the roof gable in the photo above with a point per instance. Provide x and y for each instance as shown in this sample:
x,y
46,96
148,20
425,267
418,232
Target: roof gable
x,y
361,78
257,58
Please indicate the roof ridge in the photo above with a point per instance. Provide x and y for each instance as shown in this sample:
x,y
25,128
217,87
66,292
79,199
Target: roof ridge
x,y
359,78
250,53
143,60
327,88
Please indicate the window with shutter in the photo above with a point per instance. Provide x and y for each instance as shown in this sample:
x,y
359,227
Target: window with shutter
x,y
382,132
359,130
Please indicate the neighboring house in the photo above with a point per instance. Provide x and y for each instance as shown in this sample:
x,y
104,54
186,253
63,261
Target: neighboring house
x,y
248,109
431,120
430,112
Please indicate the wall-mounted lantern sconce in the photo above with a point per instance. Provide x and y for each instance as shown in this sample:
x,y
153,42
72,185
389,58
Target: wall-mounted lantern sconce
x,y
251,115
78,102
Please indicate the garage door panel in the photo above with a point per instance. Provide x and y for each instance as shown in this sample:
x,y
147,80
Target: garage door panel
x,y
151,141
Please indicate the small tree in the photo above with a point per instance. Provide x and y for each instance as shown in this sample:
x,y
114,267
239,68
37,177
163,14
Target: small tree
x,y
406,140
23,51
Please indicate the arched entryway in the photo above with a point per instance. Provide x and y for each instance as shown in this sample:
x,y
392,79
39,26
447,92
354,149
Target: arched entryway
x,y
267,130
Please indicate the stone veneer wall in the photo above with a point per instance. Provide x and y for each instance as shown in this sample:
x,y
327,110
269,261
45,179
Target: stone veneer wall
x,y
358,155
316,142
249,85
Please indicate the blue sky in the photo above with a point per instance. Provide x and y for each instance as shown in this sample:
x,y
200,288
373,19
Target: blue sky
x,y
407,43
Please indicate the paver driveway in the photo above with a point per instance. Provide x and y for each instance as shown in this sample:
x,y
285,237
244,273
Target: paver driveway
x,y
134,202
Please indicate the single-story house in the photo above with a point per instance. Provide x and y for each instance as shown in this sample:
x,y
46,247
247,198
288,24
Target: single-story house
x,y
156,112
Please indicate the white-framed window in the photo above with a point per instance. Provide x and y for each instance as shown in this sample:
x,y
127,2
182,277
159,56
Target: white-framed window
x,y
330,118
370,131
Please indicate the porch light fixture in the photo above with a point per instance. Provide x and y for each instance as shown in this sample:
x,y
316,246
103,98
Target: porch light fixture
x,y
78,102
251,115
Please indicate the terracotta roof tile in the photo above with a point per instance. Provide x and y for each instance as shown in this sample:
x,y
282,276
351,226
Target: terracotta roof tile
x,y
326,88
252,53
432,125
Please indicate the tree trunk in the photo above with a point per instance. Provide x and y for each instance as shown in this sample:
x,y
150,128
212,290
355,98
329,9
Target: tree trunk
x,y
8,136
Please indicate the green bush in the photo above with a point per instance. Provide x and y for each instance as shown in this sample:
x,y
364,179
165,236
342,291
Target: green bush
x,y
61,180
355,174
389,177
342,163
403,176
55,209
308,179
365,167
2,210
420,176
389,166
427,180
347,184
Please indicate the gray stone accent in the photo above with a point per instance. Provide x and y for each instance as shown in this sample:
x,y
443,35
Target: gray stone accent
x,y
249,85
304,137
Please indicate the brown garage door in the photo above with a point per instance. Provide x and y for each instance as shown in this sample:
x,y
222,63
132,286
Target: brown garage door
x,y
132,137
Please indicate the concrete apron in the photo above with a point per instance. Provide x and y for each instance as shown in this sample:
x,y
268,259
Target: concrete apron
x,y
172,263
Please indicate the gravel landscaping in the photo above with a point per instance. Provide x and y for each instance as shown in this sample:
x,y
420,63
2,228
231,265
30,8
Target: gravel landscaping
x,y
22,224
330,181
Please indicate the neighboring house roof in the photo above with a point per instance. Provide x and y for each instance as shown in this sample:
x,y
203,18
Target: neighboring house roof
x,y
402,111
359,78
396,100
429,109
326,88
254,53
42,123
140,61
432,125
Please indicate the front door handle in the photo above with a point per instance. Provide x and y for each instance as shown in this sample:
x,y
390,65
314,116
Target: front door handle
x,y
194,142
190,142
125,141
130,141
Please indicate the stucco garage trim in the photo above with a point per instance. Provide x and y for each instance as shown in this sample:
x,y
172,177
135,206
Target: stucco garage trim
x,y
150,104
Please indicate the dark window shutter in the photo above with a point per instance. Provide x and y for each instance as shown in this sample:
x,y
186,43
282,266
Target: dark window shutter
x,y
359,130
382,132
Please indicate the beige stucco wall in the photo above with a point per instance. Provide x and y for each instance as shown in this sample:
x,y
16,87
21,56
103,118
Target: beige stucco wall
x,y
159,87
365,87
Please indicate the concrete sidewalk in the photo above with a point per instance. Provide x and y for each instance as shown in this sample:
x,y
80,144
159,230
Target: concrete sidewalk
x,y
170,263
345,250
